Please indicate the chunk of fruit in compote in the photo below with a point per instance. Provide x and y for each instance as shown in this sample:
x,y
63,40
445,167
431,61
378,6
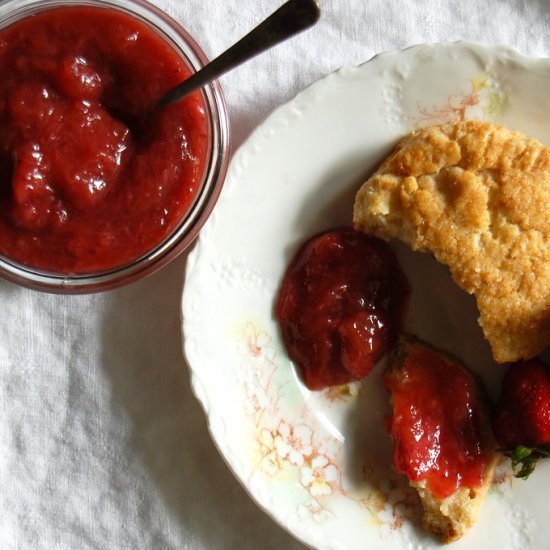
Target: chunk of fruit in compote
x,y
83,169
34,205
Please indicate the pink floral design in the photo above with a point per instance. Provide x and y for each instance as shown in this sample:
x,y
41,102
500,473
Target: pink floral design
x,y
269,463
293,443
454,111
480,94
283,448
391,519
258,344
319,476
314,510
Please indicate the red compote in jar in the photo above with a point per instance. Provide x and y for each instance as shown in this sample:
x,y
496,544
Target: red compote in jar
x,y
97,187
340,306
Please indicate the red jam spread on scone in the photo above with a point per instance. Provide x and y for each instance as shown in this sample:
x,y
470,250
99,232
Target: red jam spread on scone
x,y
436,423
340,306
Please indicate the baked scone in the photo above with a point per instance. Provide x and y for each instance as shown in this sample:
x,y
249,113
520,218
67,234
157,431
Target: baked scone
x,y
442,435
477,196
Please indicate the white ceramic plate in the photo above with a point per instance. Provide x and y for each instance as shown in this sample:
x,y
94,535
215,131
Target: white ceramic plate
x,y
319,463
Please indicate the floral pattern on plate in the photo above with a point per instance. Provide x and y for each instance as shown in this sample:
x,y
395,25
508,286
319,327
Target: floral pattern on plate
x,y
479,98
284,449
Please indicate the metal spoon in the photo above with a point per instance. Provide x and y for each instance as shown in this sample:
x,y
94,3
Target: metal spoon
x,y
291,18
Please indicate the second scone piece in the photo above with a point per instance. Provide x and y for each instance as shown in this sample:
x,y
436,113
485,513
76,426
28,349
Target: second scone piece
x,y
442,437
477,196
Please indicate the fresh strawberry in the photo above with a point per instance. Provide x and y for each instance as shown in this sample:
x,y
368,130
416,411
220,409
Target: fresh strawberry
x,y
522,417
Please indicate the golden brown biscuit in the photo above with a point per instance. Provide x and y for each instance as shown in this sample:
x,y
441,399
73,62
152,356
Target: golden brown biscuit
x,y
477,196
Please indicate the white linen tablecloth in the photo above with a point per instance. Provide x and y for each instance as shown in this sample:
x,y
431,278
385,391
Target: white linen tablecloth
x,y
102,444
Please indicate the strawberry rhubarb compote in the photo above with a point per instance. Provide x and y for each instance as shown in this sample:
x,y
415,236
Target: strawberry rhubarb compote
x,y
88,180
341,306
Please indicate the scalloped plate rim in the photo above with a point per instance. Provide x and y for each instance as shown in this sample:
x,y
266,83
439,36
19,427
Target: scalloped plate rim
x,y
194,257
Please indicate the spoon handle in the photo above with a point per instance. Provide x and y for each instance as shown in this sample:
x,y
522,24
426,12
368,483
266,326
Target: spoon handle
x,y
291,18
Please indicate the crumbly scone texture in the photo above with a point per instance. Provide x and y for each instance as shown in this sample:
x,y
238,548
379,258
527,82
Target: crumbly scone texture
x,y
453,516
450,518
477,196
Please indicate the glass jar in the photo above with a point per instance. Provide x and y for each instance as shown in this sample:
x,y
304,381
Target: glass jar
x,y
211,181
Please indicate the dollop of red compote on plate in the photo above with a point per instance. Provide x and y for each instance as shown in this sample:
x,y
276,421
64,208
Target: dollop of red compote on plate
x,y
436,422
88,180
340,306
